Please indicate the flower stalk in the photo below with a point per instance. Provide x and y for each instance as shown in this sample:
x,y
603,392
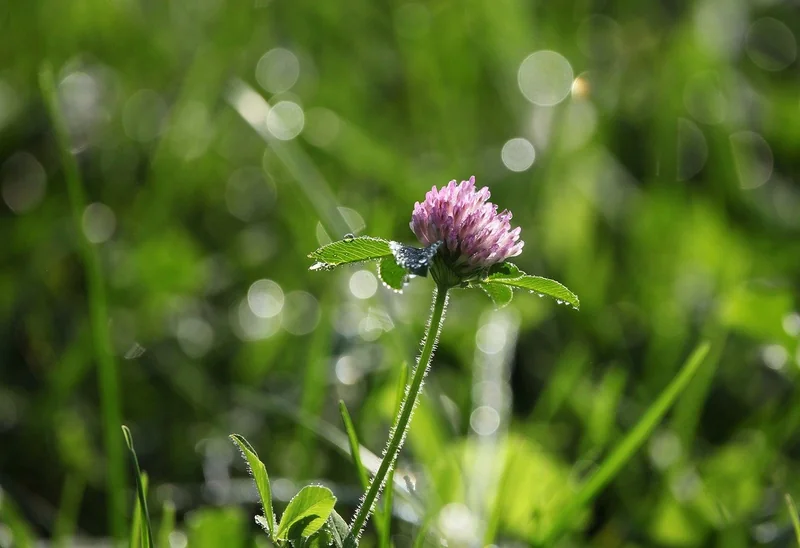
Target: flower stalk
x,y
403,420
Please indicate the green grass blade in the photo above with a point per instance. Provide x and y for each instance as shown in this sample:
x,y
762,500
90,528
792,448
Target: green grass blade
x,y
252,107
422,533
629,444
795,518
11,517
167,525
355,453
314,390
354,446
493,523
685,417
141,489
385,516
71,496
108,376
137,540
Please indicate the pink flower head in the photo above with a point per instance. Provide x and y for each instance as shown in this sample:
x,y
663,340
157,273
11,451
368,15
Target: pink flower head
x,y
474,235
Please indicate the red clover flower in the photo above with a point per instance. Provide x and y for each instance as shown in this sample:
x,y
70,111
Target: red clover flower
x,y
474,235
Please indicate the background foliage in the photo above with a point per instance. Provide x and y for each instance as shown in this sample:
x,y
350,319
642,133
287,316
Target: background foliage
x,y
664,191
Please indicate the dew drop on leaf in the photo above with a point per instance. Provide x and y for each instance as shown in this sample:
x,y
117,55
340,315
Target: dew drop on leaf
x,y
349,237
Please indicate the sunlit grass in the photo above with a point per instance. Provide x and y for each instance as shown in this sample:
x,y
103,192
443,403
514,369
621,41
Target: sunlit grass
x,y
147,184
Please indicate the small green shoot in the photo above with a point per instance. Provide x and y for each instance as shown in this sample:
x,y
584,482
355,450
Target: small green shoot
x,y
259,473
141,489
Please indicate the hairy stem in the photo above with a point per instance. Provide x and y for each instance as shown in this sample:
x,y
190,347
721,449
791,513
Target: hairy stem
x,y
403,420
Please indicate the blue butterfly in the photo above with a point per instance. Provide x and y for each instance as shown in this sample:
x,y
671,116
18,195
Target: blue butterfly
x,y
416,260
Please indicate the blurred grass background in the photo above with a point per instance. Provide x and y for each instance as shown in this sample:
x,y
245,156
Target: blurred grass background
x,y
649,151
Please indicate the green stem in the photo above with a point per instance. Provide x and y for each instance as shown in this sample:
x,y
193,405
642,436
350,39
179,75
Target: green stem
x,y
110,399
403,420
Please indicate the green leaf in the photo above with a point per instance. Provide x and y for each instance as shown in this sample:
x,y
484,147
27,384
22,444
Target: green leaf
x,y
392,274
500,294
504,270
259,473
795,518
141,489
629,445
349,250
508,274
306,513
321,539
339,528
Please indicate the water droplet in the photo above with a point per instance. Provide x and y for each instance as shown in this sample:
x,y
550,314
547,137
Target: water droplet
x,y
349,237
320,266
540,295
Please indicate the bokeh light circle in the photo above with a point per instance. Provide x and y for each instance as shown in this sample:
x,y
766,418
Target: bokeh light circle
x,y
518,154
285,120
363,284
278,70
545,78
770,44
98,222
22,182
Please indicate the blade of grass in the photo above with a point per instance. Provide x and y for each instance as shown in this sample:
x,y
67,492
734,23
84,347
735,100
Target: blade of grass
x,y
493,523
628,446
422,533
11,517
136,521
385,515
167,524
108,377
71,497
686,414
253,108
795,518
314,380
355,452
141,489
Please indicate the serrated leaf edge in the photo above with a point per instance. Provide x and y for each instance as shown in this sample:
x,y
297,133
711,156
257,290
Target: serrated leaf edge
x,y
507,281
326,265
